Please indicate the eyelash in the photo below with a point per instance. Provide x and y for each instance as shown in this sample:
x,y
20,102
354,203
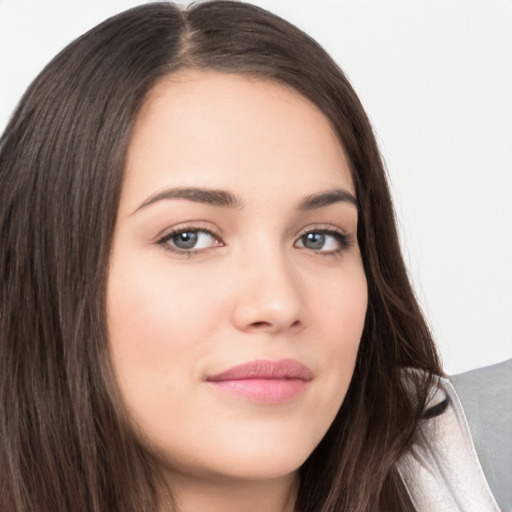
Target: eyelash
x,y
344,240
163,241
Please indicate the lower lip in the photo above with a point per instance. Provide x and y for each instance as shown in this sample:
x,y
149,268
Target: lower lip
x,y
269,391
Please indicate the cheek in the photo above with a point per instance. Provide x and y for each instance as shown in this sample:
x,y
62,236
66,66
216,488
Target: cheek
x,y
156,307
339,309
340,315
157,327
344,318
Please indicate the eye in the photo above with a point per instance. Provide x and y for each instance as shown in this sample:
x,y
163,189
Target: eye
x,y
189,240
326,241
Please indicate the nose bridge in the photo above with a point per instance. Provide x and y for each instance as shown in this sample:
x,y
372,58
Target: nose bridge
x,y
269,294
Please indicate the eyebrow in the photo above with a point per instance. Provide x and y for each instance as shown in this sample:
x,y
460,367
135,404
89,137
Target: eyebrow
x,y
327,198
220,198
225,199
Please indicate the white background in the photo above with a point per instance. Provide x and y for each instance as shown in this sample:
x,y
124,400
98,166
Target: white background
x,y
436,79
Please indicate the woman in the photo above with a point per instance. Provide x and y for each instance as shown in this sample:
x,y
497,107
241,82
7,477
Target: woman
x,y
177,332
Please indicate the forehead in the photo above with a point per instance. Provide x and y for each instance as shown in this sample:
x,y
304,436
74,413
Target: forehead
x,y
205,128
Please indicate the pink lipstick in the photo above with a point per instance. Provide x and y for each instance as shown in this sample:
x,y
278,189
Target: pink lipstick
x,y
271,382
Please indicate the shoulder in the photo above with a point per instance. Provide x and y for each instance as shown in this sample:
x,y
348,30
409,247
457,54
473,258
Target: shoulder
x,y
442,470
483,383
486,397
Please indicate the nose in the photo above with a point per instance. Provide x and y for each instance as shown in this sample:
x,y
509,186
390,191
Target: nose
x,y
268,297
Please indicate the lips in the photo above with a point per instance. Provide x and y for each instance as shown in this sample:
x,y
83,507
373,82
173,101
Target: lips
x,y
264,381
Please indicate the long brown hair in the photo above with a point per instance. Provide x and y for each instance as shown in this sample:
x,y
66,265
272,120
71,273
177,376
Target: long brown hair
x,y
65,443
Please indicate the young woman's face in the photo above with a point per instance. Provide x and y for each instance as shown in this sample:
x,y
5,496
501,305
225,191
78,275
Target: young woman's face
x,y
236,294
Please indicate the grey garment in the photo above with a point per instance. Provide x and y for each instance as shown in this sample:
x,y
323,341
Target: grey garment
x,y
486,396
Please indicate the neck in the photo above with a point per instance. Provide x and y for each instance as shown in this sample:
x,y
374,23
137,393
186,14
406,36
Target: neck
x,y
219,495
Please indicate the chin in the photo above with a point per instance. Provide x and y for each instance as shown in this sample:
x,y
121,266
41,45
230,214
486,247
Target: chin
x,y
264,467
250,460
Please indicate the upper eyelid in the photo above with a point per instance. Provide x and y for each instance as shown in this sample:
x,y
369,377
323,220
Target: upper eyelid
x,y
190,226
210,228
341,235
323,228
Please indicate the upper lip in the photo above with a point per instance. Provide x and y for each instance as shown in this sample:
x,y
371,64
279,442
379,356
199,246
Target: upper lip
x,y
262,369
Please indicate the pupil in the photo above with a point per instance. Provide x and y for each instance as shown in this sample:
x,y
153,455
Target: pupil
x,y
314,241
185,240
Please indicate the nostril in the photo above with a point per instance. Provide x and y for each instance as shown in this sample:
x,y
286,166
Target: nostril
x,y
260,325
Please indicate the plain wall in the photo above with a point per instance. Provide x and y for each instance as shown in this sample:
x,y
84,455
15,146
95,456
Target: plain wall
x,y
436,79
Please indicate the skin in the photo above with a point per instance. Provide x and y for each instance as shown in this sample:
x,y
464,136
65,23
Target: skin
x,y
255,288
